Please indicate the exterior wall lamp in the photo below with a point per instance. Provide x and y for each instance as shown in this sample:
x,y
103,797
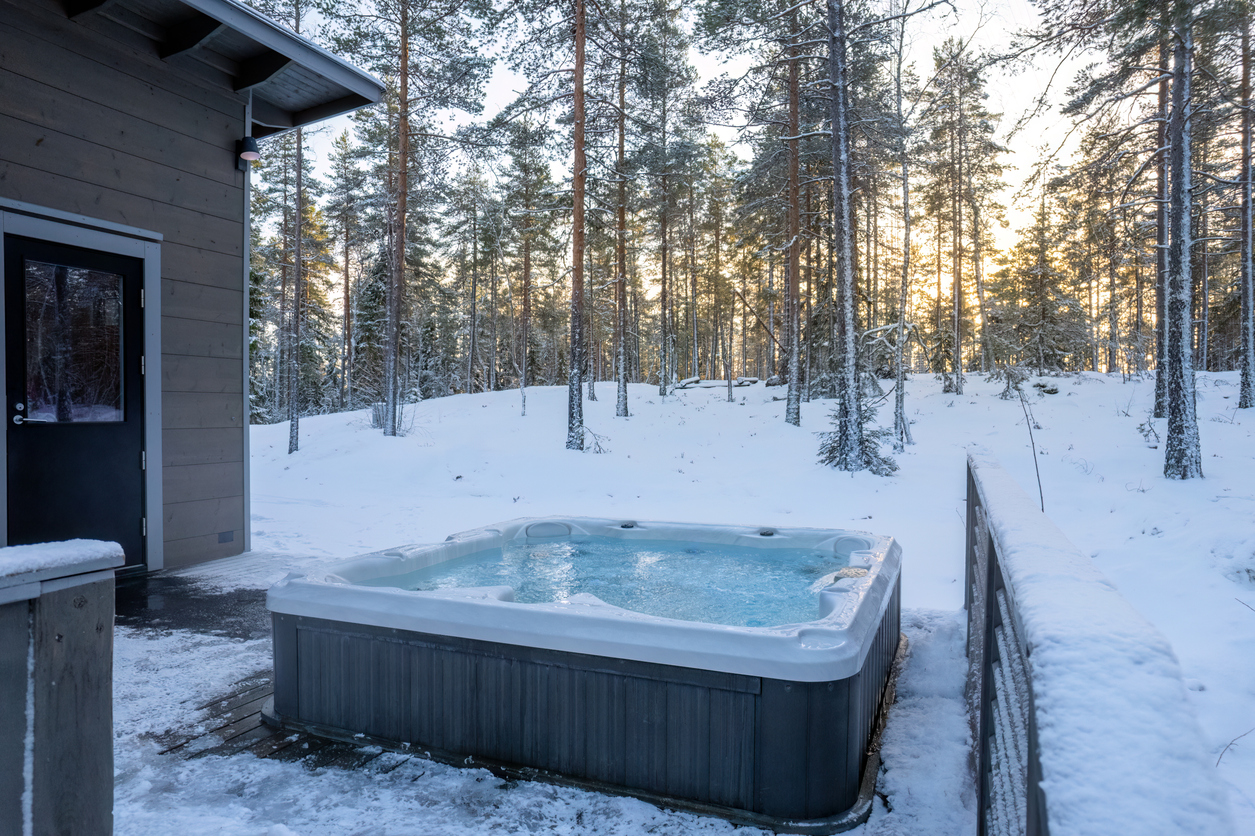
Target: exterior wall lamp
x,y
247,149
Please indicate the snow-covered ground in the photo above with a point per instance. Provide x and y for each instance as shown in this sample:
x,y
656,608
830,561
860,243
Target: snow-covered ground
x,y
1182,553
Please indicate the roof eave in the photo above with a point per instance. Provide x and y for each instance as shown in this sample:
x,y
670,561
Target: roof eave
x,y
274,37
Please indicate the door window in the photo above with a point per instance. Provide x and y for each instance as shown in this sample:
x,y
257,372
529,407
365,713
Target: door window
x,y
73,344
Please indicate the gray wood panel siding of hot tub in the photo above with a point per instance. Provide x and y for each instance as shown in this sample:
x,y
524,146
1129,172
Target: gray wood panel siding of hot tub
x,y
773,747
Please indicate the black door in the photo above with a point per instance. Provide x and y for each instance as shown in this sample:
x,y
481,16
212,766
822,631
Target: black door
x,y
74,417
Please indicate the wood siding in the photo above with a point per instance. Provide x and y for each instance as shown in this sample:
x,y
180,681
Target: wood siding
x,y
96,124
69,633
14,644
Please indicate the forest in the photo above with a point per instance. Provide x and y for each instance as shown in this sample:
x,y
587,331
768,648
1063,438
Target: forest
x,y
602,229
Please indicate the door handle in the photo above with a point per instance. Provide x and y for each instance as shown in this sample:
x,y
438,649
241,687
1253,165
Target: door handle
x,y
18,419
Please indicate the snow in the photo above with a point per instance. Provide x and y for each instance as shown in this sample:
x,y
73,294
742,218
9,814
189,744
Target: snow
x,y
1102,677
699,383
928,735
159,678
52,559
1181,553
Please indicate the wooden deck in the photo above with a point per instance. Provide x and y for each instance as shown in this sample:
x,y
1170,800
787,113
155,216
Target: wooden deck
x,y
231,724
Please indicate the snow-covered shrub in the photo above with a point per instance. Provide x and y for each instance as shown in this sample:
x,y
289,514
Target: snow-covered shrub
x,y
1013,375
871,457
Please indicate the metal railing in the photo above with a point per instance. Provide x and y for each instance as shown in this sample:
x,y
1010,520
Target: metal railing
x,y
999,689
1068,682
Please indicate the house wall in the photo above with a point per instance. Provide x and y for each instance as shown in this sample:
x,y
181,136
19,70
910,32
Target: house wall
x,y
94,123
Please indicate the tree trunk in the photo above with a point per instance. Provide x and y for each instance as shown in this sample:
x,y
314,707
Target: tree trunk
x,y
901,425
744,324
620,244
694,368
1091,319
298,293
1183,457
1204,283
592,355
1246,396
718,274
771,317
1161,240
664,354
470,350
870,273
849,424
793,403
1113,309
575,404
938,249
956,242
807,372
285,313
492,355
1139,314
527,303
346,330
396,284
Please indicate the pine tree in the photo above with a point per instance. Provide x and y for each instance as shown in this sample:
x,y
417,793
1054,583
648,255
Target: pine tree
x,y
430,53
1034,319
1131,34
345,206
665,127
530,206
854,448
1183,456
961,181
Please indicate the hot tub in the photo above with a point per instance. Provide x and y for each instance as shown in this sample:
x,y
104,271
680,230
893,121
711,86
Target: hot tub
x,y
766,724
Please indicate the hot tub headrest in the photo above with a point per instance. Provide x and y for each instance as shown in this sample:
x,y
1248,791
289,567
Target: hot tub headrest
x,y
548,528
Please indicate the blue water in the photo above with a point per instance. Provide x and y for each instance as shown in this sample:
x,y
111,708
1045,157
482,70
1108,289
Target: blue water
x,y
716,584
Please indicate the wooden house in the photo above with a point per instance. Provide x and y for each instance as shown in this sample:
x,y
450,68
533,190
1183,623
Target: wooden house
x,y
124,212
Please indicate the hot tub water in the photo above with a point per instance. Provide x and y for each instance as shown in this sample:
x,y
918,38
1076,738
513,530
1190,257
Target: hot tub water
x,y
737,586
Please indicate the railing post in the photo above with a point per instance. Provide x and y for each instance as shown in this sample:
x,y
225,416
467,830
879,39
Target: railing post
x,y
56,700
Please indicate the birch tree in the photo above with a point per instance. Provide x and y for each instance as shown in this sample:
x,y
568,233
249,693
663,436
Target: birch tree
x,y
1246,253
852,449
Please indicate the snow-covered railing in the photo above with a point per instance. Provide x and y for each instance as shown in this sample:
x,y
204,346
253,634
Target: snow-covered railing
x,y
1082,723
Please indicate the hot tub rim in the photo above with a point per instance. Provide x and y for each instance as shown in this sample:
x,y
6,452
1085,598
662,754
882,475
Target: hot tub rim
x,y
832,647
